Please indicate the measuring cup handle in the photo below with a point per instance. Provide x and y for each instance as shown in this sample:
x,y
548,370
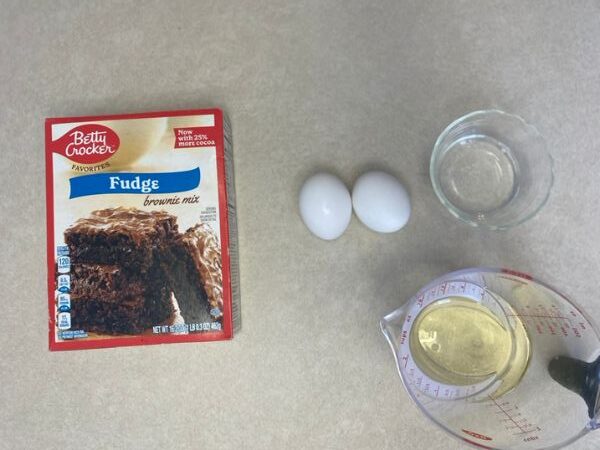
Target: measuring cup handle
x,y
580,377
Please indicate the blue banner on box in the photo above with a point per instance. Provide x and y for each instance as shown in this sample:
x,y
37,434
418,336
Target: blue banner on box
x,y
134,183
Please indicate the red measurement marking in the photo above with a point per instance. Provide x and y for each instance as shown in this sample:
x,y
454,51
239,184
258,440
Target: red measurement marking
x,y
405,359
477,435
517,274
403,336
420,299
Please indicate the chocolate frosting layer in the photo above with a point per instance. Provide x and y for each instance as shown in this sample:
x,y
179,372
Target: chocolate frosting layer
x,y
137,224
203,247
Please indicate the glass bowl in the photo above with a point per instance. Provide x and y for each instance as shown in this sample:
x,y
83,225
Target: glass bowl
x,y
491,169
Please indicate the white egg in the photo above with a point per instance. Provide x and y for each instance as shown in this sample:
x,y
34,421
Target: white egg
x,y
325,206
381,202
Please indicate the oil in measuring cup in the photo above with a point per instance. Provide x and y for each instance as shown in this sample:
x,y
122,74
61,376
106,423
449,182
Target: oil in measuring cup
x,y
458,341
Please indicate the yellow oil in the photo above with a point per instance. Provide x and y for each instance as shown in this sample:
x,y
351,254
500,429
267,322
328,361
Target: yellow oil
x,y
460,342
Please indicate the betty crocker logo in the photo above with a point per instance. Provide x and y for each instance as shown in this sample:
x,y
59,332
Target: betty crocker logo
x,y
87,144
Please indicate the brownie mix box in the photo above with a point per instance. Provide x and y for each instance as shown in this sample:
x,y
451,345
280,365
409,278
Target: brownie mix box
x,y
142,241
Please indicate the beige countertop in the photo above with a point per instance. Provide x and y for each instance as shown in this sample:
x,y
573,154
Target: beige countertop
x,y
336,85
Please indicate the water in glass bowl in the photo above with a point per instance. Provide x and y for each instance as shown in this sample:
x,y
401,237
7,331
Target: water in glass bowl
x,y
478,174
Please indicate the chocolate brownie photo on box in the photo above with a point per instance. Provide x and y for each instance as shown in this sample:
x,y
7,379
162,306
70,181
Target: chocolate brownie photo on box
x,y
118,284
126,236
127,263
106,300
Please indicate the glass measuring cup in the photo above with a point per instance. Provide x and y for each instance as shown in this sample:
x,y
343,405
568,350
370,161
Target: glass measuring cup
x,y
541,392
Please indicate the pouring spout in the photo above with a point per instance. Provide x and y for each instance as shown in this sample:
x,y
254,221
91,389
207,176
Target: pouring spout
x,y
580,377
391,327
